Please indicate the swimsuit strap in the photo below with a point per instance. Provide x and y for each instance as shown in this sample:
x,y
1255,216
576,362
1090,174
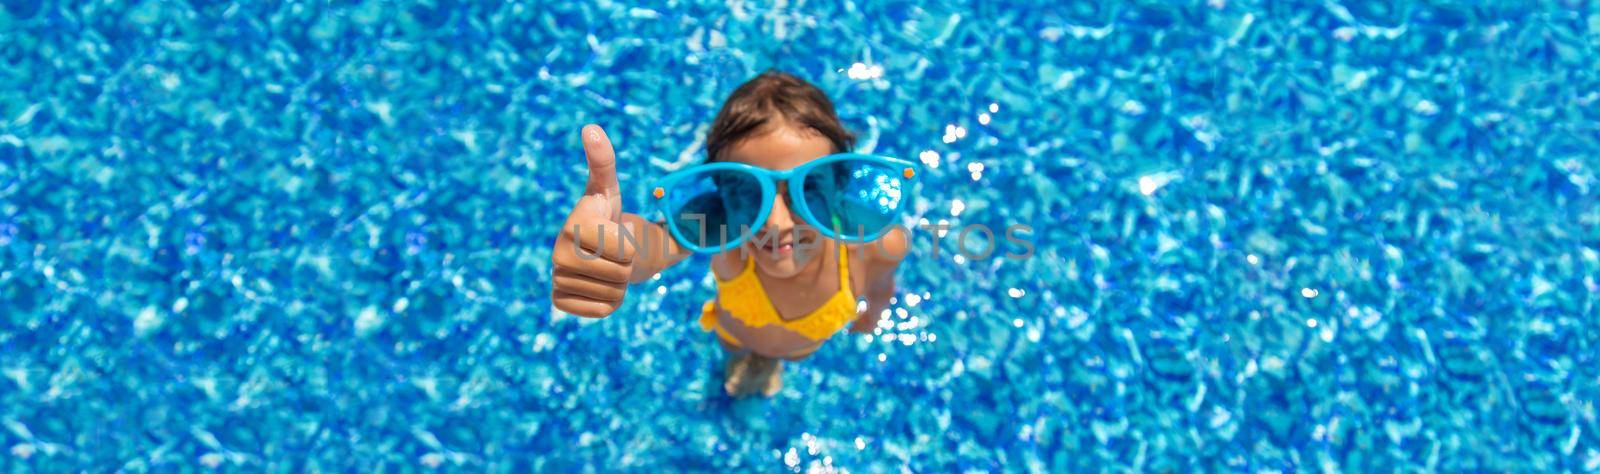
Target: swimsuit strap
x,y
844,269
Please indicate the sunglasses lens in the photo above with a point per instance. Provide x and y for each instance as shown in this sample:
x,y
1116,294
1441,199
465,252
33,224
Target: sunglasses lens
x,y
858,199
711,208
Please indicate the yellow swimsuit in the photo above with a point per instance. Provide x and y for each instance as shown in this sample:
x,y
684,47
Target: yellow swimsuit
x,y
745,299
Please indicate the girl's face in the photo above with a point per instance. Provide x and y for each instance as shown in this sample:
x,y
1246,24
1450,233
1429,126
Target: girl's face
x,y
784,245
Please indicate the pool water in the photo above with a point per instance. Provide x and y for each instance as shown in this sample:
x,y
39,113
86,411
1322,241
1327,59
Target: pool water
x,y
1315,236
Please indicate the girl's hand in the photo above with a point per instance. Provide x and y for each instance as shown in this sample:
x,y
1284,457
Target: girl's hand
x,y
866,322
592,263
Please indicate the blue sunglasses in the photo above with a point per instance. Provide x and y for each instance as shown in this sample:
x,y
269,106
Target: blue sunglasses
x,y
849,197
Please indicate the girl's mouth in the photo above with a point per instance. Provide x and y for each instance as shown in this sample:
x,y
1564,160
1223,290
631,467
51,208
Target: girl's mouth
x,y
782,247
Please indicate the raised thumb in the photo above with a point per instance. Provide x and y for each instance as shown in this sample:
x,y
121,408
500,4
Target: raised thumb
x,y
602,162
598,205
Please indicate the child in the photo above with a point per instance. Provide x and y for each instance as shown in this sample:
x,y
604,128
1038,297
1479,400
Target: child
x,y
785,283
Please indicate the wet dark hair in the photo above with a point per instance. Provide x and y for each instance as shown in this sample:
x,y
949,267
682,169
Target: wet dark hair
x,y
775,96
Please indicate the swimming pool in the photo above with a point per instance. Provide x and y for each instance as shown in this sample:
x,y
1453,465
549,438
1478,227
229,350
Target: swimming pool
x,y
1306,236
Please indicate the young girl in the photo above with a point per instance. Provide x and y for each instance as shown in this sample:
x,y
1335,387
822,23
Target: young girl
x,y
786,281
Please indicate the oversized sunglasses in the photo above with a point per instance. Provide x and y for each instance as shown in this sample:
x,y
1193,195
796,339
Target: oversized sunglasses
x,y
849,197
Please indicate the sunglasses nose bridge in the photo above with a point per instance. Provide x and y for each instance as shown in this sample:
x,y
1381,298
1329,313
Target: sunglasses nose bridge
x,y
780,213
780,190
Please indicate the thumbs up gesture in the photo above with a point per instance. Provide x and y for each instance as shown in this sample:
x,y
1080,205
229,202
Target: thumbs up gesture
x,y
591,262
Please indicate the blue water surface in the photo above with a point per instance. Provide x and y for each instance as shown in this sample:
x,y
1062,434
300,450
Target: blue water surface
x,y
1268,236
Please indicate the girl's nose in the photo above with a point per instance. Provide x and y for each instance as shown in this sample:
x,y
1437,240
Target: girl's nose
x,y
780,219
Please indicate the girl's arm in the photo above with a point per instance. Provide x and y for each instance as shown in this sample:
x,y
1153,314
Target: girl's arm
x,y
656,250
878,297
885,257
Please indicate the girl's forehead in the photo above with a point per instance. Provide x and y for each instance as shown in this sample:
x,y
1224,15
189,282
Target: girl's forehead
x,y
780,149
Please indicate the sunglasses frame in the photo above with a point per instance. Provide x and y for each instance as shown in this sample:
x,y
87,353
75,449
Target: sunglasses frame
x,y
768,180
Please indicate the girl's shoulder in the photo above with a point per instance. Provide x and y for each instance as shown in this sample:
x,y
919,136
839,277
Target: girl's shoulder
x,y
727,265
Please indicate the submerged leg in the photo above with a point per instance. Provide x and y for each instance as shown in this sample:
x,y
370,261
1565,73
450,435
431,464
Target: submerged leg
x,y
735,365
748,373
752,374
766,375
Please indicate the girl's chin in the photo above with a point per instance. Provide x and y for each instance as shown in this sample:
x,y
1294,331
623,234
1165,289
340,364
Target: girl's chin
x,y
779,263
